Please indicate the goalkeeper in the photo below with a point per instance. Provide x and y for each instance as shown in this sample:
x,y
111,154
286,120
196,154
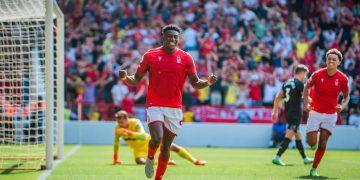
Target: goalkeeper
x,y
132,132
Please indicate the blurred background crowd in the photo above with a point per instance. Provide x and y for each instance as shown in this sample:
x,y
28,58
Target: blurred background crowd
x,y
252,45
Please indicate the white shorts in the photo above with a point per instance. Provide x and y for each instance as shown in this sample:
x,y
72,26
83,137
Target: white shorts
x,y
318,121
171,117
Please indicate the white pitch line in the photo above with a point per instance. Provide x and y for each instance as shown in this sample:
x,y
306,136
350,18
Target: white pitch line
x,y
351,162
46,173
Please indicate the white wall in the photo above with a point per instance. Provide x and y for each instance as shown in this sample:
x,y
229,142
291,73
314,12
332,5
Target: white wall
x,y
207,134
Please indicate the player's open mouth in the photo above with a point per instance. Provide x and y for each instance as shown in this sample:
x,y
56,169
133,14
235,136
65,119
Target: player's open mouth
x,y
172,43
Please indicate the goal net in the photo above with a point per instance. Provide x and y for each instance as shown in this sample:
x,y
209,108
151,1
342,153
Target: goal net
x,y
31,83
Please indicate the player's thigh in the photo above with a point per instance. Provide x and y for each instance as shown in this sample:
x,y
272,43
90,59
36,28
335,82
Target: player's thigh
x,y
155,120
173,119
329,122
313,123
311,137
154,114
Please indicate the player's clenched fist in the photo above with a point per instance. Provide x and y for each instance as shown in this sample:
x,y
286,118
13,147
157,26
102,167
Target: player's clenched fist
x,y
307,107
212,79
339,108
122,74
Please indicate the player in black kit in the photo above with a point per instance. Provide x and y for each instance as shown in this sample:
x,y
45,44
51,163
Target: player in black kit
x,y
291,94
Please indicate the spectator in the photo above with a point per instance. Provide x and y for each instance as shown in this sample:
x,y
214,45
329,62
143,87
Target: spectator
x,y
354,119
119,91
270,92
189,116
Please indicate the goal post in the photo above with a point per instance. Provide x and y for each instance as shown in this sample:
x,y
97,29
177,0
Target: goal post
x,y
60,32
31,83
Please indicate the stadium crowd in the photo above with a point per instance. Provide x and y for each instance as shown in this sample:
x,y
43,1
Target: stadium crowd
x,y
251,45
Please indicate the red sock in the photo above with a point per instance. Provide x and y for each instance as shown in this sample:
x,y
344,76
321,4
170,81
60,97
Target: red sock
x,y
161,168
318,155
151,152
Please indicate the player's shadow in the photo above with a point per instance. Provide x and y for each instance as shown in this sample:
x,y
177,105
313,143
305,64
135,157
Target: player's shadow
x,y
13,170
319,177
125,165
285,165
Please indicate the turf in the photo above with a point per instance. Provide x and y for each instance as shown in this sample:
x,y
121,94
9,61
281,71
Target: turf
x,y
95,162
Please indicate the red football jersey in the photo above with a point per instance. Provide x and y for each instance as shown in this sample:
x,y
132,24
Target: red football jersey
x,y
167,75
327,89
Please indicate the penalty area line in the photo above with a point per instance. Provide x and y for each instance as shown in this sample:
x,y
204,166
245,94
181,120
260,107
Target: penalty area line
x,y
46,173
356,163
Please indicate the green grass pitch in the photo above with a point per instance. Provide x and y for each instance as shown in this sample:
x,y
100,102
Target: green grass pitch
x,y
95,162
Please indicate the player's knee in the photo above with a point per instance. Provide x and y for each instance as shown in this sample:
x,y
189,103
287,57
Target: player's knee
x,y
310,142
140,161
165,148
155,141
322,145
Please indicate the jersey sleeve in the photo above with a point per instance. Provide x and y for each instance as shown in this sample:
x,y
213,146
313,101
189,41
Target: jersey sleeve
x,y
144,64
116,140
190,67
312,80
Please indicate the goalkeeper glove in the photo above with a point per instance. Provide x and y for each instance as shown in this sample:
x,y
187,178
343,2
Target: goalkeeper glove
x,y
123,132
116,159
126,132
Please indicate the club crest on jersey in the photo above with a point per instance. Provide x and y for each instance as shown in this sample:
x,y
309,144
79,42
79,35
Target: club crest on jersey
x,y
336,82
178,59
159,58
322,79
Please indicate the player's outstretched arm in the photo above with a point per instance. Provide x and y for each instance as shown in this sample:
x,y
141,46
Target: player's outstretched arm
x,y
344,103
116,159
132,80
278,98
198,83
125,133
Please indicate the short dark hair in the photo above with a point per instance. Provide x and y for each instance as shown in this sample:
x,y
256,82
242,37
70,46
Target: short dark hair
x,y
336,52
169,27
121,114
301,68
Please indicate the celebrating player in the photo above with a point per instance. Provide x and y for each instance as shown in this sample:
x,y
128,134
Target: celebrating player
x,y
168,67
328,83
291,93
132,131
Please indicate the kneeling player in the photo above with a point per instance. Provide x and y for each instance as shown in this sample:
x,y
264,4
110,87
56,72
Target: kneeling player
x,y
291,93
133,133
